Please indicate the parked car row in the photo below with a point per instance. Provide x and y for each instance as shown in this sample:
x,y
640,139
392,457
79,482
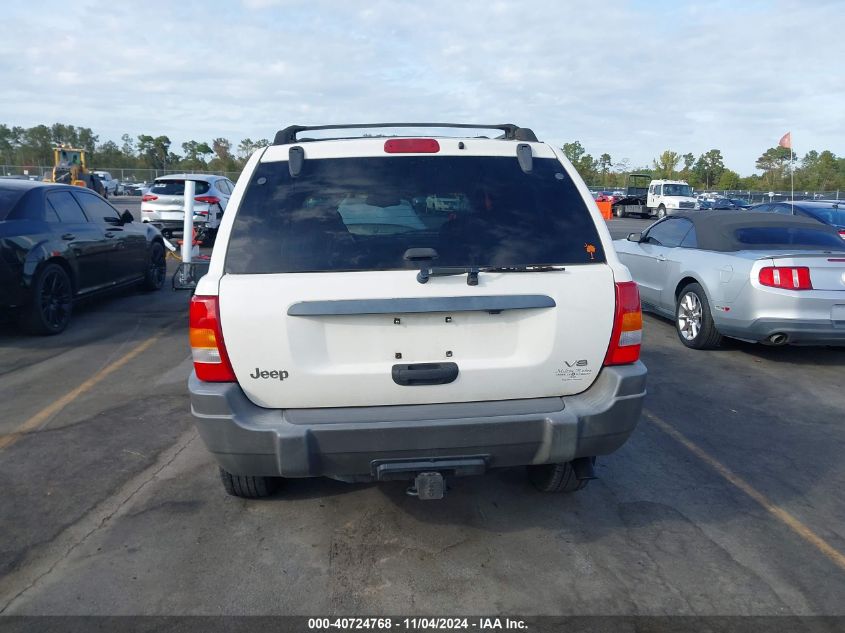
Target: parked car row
x,y
60,243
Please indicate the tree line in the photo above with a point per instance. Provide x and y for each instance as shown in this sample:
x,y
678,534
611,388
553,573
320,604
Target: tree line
x,y
816,171
32,147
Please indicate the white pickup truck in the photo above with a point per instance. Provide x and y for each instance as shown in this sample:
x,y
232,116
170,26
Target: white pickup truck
x,y
109,183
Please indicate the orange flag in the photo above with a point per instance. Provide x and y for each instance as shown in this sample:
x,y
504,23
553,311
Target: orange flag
x,y
786,140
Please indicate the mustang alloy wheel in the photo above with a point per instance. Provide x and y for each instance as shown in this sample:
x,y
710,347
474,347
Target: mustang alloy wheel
x,y
693,319
689,316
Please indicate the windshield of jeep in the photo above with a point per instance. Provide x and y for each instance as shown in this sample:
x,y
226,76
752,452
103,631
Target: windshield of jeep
x,y
351,214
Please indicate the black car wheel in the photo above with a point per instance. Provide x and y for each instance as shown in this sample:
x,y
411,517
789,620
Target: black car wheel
x,y
661,212
52,302
555,478
156,267
249,487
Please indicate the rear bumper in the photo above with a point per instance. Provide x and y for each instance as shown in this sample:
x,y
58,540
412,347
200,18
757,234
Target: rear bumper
x,y
172,225
798,332
352,443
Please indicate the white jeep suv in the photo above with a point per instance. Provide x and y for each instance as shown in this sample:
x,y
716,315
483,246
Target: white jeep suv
x,y
351,326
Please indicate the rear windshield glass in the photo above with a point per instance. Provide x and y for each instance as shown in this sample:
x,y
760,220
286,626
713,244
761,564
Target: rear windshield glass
x,y
365,213
176,187
8,199
830,215
789,236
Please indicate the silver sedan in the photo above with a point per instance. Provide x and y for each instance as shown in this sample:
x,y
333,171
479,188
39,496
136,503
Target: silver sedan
x,y
751,276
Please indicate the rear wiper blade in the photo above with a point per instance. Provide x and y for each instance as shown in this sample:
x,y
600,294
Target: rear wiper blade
x,y
533,268
472,272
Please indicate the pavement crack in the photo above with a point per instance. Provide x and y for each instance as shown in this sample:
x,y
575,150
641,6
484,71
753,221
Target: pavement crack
x,y
145,478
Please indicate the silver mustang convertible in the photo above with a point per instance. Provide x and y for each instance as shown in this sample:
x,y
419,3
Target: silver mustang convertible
x,y
758,277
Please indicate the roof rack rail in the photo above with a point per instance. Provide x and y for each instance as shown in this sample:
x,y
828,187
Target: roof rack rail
x,y
511,132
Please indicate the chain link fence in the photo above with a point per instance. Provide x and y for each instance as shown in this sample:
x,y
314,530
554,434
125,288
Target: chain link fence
x,y
123,174
754,197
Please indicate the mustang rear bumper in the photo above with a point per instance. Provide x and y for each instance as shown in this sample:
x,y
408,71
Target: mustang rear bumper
x,y
354,444
798,332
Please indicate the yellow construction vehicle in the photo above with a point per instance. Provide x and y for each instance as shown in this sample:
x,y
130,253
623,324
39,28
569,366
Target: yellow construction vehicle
x,y
71,168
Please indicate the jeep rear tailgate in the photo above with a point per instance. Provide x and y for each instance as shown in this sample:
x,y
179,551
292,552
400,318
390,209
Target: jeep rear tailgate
x,y
285,360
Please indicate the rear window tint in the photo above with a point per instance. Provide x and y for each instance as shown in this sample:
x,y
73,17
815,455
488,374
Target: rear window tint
x,y
176,187
788,236
364,213
829,215
8,199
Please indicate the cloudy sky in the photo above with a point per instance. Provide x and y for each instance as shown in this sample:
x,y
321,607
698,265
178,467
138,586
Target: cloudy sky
x,y
630,78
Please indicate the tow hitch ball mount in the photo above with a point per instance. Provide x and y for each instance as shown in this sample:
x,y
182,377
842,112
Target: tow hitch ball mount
x,y
428,486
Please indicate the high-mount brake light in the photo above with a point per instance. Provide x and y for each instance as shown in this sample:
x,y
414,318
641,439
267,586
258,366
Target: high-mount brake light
x,y
207,199
148,197
627,335
411,146
786,277
211,362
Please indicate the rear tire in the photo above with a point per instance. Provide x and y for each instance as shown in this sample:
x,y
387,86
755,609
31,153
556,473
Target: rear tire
x,y
156,268
555,478
694,320
51,306
619,213
248,486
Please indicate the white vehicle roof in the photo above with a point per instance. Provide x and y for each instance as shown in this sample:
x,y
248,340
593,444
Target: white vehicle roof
x,y
203,177
669,182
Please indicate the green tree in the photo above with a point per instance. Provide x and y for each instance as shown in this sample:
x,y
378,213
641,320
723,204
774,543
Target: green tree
x,y
708,168
665,164
729,180
586,166
155,151
37,146
573,151
195,152
128,147
605,164
773,163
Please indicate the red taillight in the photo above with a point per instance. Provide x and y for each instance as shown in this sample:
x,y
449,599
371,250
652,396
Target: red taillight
x,y
627,333
211,362
411,146
148,197
786,277
842,234
208,199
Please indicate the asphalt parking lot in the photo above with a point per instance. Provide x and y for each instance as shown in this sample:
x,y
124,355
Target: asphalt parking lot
x,y
727,500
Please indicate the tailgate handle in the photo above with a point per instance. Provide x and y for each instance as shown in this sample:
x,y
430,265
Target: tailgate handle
x,y
425,374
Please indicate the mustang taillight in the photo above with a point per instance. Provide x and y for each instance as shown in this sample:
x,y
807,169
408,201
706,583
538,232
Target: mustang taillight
x,y
148,197
627,333
211,362
786,277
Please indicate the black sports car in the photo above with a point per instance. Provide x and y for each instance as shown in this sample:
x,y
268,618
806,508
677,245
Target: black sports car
x,y
59,243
